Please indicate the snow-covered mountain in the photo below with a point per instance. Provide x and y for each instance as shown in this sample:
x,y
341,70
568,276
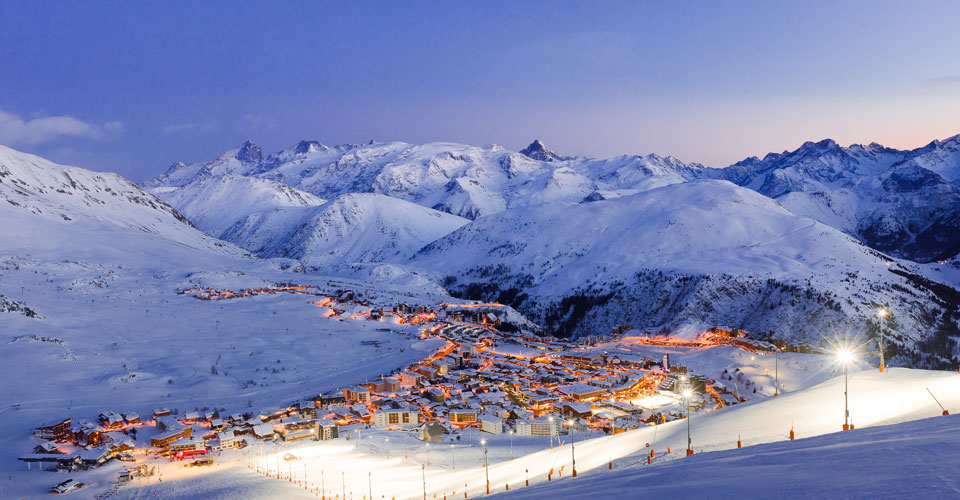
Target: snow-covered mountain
x,y
463,180
215,204
353,228
49,205
695,254
904,203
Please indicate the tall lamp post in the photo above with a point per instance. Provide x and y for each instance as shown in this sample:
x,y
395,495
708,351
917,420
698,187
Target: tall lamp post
x,y
573,447
511,444
686,401
486,464
882,313
844,356
776,374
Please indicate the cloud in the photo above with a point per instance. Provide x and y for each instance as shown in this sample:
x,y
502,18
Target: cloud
x,y
944,81
187,127
17,131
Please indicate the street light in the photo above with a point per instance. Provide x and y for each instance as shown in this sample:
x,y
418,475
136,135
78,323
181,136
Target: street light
x,y
486,464
428,453
882,313
511,444
573,453
686,399
845,357
552,431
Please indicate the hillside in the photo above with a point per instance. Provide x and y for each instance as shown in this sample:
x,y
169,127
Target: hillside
x,y
687,257
353,228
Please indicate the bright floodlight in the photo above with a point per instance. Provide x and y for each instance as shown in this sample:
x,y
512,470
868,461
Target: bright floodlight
x,y
483,441
687,393
882,312
844,355
683,378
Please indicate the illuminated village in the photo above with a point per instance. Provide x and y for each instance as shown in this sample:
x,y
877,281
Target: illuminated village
x,y
487,379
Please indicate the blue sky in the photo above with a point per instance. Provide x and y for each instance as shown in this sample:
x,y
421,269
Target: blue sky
x,y
132,87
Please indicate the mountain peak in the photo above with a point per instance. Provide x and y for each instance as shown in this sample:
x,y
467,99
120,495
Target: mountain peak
x,y
537,150
304,147
250,153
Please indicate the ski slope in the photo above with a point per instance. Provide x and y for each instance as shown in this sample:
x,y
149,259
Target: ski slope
x,y
876,399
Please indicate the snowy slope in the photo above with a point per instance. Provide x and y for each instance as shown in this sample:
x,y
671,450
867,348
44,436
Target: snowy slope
x,y
214,204
44,203
704,253
354,228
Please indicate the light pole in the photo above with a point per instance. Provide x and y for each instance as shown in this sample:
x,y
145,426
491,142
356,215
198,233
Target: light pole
x,y
882,313
686,400
486,464
844,356
573,448
776,374
428,453
453,456
552,431
423,471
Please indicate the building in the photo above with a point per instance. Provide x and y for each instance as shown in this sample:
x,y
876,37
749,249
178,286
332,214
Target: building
x,y
357,394
538,427
410,379
395,418
164,439
329,401
582,392
491,424
462,417
228,440
327,429
263,431
431,432
59,431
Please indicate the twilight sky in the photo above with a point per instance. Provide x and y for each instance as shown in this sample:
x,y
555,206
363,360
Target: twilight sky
x,y
132,87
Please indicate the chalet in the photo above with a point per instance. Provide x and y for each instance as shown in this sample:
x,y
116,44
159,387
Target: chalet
x,y
396,418
167,423
161,412
431,432
228,440
263,431
111,420
132,418
48,447
191,417
491,424
59,431
216,424
576,410
121,447
328,401
164,439
88,434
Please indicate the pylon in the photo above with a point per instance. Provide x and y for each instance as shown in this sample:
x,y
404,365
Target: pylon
x,y
611,465
648,460
508,486
791,434
945,413
689,452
